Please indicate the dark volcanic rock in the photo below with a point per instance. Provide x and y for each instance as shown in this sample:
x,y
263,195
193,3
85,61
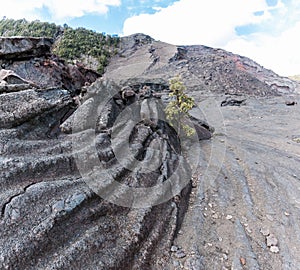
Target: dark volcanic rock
x,y
290,103
10,77
51,218
20,48
203,129
51,72
229,101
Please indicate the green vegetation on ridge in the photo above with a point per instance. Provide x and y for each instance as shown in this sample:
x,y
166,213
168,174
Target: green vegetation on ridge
x,y
10,27
80,43
70,44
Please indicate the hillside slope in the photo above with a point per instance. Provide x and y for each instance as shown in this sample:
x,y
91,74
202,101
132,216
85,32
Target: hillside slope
x,y
203,69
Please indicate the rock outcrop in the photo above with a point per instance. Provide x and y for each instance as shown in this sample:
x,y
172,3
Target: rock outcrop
x,y
52,216
30,59
20,48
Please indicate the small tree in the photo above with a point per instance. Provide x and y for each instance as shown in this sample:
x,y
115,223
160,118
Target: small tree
x,y
178,109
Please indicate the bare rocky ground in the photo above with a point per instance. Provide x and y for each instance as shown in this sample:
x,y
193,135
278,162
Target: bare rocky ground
x,y
241,209
244,207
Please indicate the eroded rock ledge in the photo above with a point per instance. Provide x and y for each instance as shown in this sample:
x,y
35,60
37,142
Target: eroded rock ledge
x,y
20,48
50,217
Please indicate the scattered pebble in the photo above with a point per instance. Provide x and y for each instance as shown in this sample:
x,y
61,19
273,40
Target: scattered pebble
x,y
269,217
176,263
215,216
244,219
174,248
243,261
193,263
287,214
297,140
290,103
272,240
265,231
228,217
248,230
180,254
274,249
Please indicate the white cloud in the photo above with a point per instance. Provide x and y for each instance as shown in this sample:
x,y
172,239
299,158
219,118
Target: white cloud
x,y
19,9
279,53
192,21
275,45
60,10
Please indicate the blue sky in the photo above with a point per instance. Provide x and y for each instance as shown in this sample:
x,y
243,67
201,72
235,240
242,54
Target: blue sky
x,y
265,30
110,21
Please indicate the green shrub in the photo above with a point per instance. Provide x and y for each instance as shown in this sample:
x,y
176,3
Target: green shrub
x,y
178,109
